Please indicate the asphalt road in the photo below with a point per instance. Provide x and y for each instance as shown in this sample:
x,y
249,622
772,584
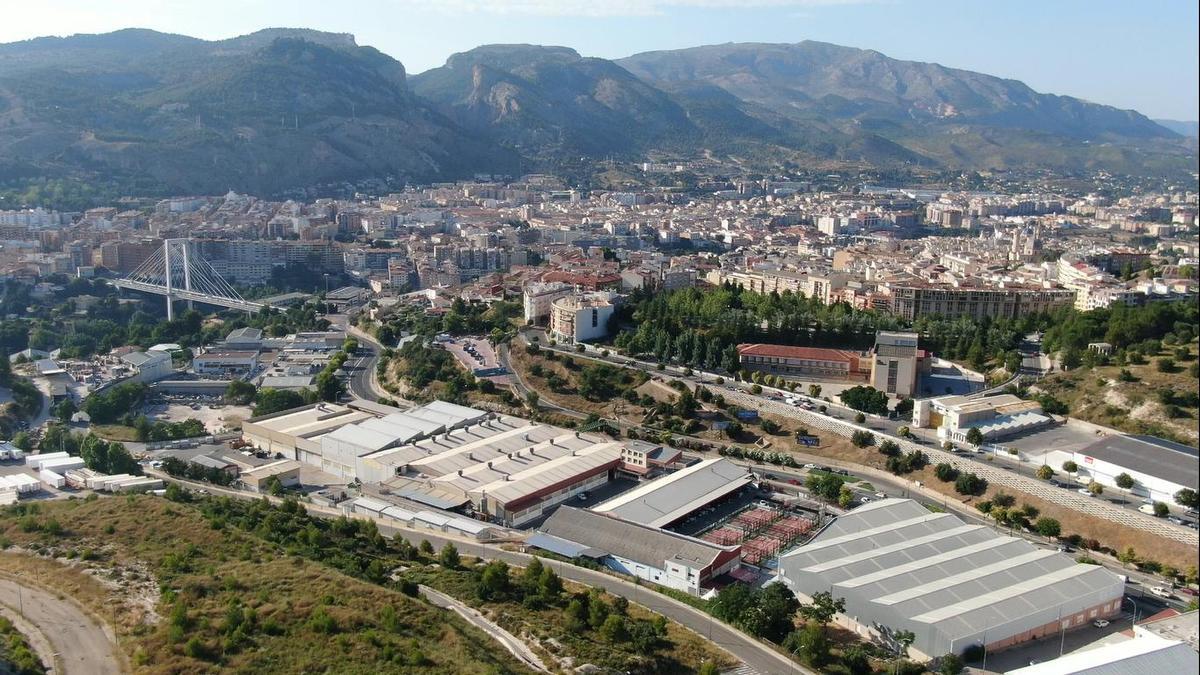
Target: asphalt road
x,y
82,645
361,383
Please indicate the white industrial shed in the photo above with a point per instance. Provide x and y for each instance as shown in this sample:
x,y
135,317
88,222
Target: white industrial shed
x,y
1159,467
901,567
341,448
673,497
1147,653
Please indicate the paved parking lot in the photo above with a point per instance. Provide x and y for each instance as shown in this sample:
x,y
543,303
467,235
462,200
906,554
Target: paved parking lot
x,y
1050,647
479,357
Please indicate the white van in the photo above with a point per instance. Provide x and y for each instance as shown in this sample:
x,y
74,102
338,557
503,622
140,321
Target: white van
x,y
1148,509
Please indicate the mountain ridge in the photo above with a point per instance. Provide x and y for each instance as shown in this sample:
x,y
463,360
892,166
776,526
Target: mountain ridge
x,y
287,108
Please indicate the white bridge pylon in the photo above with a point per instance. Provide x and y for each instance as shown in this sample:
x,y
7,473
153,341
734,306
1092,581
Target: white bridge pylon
x,y
177,272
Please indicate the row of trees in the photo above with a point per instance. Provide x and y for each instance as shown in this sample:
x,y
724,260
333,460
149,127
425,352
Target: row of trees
x,y
97,454
702,329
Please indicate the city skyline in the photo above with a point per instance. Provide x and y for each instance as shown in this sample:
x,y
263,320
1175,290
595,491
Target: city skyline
x,y
1062,48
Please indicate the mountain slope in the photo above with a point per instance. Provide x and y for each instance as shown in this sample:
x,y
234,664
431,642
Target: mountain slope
x,y
955,117
550,99
267,112
1182,127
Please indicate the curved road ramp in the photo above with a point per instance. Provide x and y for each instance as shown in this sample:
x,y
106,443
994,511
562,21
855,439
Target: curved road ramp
x,y
81,644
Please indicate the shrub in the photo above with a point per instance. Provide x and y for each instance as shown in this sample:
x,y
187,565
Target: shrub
x,y
970,484
945,472
862,439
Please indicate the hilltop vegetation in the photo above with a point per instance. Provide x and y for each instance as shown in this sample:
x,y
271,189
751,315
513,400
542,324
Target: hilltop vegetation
x,y
194,594
1155,394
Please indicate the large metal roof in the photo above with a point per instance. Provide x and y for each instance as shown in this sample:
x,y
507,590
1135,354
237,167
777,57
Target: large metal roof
x,y
661,502
646,545
1172,462
898,563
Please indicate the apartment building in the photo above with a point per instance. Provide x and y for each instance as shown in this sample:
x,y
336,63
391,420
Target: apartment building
x,y
579,318
911,300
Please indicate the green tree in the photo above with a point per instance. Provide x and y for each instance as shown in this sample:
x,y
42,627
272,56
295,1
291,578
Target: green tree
x,y
240,392
493,582
1186,498
950,664
823,608
945,472
448,557
1071,468
975,436
1047,527
597,609
825,486
613,629
810,645
1125,482
1045,472
1095,488
845,497
969,484
862,439
1161,509
269,401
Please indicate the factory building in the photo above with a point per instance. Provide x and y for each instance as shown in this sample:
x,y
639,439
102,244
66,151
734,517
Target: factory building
x,y
1159,467
648,553
954,585
505,469
663,502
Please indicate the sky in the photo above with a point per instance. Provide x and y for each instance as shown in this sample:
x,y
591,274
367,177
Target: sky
x,y
1140,55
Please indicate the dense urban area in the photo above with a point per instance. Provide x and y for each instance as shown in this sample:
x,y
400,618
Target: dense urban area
x,y
696,417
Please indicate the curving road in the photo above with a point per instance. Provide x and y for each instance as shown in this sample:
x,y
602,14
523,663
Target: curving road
x,y
82,645
509,641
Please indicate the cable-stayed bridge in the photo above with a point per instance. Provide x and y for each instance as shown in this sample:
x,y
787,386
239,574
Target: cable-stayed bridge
x,y
177,272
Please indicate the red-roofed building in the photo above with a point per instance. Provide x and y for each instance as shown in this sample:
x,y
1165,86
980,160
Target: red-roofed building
x,y
813,362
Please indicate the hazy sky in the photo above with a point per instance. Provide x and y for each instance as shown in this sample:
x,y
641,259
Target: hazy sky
x,y
1131,54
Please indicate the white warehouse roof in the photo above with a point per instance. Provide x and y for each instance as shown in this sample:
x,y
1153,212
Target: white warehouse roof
x,y
661,502
951,583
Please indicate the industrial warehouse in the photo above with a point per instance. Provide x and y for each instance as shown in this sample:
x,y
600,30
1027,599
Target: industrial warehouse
x,y
664,502
954,585
505,469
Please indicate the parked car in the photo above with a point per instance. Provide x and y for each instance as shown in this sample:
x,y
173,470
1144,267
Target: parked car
x,y
1161,591
1100,623
1085,492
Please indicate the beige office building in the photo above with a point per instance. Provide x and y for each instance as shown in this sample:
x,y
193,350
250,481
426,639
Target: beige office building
x,y
895,366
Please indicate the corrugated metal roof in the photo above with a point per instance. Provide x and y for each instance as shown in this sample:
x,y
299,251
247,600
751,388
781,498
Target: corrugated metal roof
x,y
533,480
569,549
661,502
646,545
